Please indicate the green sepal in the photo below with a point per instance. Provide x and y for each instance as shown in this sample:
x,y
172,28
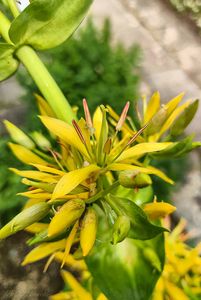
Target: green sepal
x,y
184,119
8,64
45,24
123,272
178,148
140,228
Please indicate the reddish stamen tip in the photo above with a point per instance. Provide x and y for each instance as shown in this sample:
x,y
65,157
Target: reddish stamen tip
x,y
123,116
79,132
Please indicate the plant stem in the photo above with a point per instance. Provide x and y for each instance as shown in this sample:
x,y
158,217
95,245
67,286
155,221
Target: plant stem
x,y
103,193
45,83
4,27
13,7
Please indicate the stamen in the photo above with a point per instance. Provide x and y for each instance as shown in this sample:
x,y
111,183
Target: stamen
x,y
88,117
123,116
79,132
137,134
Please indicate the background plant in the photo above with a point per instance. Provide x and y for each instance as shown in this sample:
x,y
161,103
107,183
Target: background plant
x,y
88,65
189,7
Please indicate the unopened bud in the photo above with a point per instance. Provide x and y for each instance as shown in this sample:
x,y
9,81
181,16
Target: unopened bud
x,y
66,216
120,229
88,231
18,135
134,179
27,217
41,141
157,121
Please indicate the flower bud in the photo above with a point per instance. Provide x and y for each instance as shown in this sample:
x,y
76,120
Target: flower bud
x,y
27,217
66,216
41,141
134,179
18,135
88,231
157,121
151,256
120,229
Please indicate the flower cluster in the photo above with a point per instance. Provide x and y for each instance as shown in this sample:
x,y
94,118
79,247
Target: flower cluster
x,y
80,176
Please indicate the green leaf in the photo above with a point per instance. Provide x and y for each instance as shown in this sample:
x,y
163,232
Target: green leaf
x,y
123,271
140,197
45,24
141,228
184,119
8,64
178,149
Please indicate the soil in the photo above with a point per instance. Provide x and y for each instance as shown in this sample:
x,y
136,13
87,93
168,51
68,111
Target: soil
x,y
28,282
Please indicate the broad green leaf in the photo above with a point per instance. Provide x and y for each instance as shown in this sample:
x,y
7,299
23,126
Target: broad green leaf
x,y
141,228
8,64
144,195
46,24
124,271
184,119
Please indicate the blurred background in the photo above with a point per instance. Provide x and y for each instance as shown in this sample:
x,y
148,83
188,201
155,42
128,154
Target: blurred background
x,y
124,49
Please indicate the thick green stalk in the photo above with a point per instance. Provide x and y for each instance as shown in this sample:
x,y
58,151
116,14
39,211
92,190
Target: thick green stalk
x,y
45,83
13,7
4,27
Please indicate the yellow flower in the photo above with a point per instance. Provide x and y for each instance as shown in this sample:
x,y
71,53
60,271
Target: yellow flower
x,y
91,153
181,277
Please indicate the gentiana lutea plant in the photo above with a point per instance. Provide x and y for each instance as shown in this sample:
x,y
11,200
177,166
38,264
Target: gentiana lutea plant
x,y
89,193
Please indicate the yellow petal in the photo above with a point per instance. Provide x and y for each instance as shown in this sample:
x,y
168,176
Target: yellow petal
x,y
153,107
172,104
141,149
65,132
37,175
72,179
63,296
97,122
80,292
71,262
147,170
174,292
157,210
69,242
36,227
44,107
101,297
172,118
25,155
48,169
43,250
39,195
